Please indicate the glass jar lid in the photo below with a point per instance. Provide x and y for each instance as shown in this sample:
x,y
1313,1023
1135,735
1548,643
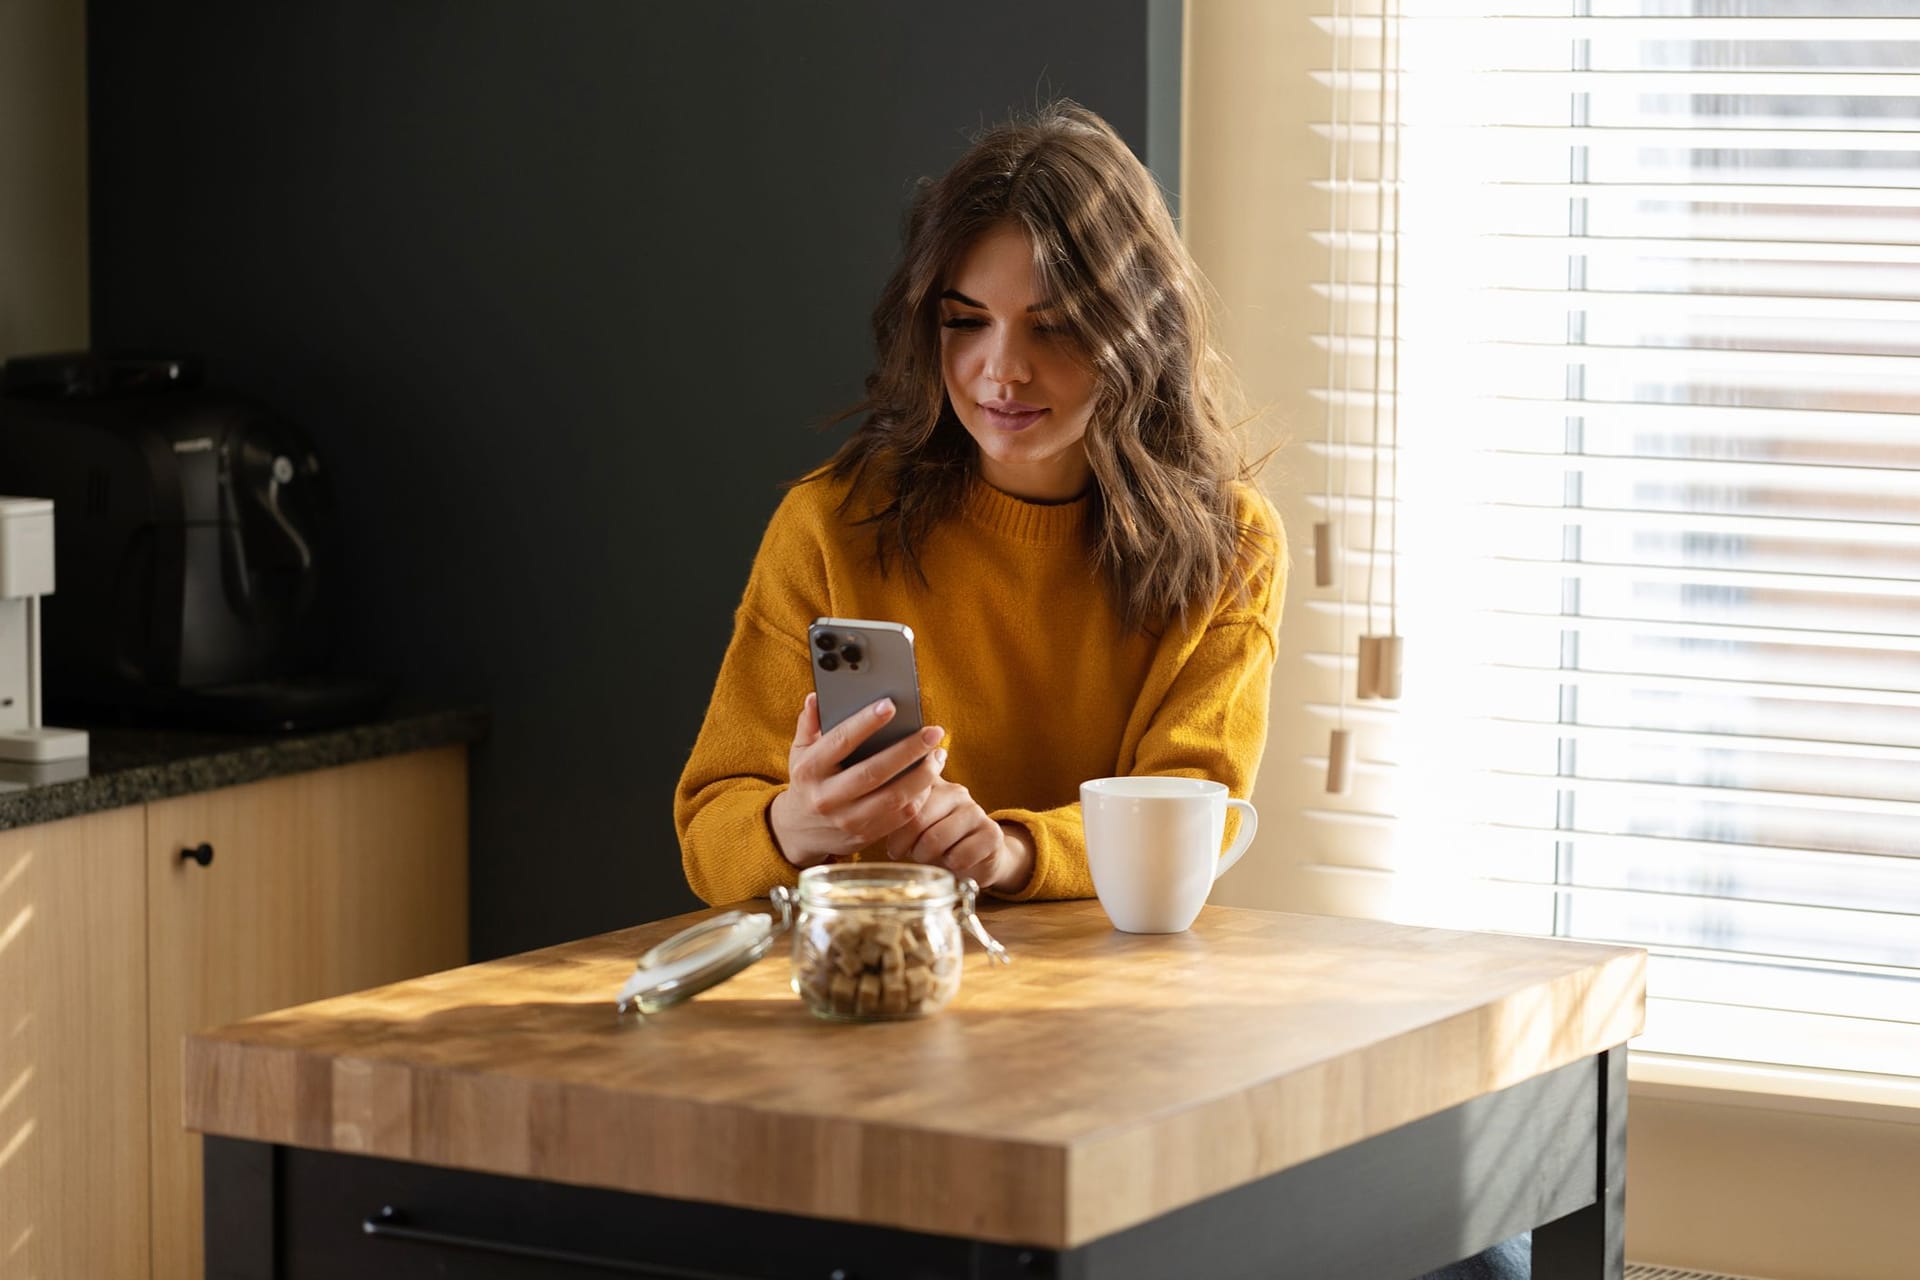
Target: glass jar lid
x,y
703,956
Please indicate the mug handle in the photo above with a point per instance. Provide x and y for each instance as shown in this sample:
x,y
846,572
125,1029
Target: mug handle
x,y
1248,825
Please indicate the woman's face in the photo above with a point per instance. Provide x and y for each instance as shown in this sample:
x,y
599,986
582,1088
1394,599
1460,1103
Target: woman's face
x,y
1021,387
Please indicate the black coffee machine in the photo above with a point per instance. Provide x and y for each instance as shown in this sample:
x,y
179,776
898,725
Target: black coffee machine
x,y
194,555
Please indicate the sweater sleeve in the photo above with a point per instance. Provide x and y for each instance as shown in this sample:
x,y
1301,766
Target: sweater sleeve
x,y
739,761
1210,721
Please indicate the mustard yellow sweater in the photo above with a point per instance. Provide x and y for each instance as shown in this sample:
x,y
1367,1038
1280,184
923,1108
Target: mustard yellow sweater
x,y
1022,660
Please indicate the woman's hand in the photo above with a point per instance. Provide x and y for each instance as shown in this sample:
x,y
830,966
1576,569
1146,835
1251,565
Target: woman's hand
x,y
829,812
953,831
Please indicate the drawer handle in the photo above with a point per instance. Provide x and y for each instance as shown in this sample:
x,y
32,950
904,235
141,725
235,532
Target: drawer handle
x,y
391,1224
201,853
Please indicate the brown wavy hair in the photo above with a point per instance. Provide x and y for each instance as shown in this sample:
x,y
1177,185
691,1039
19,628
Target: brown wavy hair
x,y
1162,441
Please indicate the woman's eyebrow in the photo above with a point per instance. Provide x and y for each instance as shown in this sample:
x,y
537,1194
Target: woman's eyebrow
x,y
965,301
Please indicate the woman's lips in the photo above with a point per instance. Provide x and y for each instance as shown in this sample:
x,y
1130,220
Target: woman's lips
x,y
1012,420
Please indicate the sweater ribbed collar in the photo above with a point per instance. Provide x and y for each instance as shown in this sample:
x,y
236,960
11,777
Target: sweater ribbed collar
x,y
1037,523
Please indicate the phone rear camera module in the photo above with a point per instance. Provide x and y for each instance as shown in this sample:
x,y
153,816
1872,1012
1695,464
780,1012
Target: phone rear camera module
x,y
829,663
825,640
852,654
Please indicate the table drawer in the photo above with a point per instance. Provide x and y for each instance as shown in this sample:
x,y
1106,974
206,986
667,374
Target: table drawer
x,y
373,1219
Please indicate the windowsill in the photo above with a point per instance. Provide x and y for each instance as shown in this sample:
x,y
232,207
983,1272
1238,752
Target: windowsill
x,y
1894,1099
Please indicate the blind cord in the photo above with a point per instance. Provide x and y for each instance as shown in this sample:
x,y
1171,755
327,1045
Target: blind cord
x,y
1367,687
1340,279
1393,421
1323,564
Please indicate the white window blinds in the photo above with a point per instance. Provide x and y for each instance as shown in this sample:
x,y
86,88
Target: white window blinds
x,y
1658,498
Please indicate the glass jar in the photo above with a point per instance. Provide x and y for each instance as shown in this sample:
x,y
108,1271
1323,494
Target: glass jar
x,y
881,940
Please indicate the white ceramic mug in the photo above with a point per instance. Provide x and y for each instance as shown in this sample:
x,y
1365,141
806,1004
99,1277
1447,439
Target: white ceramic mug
x,y
1153,845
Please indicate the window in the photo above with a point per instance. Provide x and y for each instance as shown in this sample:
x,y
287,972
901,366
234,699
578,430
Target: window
x,y
1652,528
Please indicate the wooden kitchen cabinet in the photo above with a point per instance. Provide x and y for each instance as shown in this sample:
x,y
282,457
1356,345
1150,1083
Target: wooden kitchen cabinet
x,y
73,1048
316,884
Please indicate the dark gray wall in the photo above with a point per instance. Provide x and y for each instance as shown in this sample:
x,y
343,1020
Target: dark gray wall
x,y
560,289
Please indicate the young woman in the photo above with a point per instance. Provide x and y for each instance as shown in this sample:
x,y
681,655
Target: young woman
x,y
1048,488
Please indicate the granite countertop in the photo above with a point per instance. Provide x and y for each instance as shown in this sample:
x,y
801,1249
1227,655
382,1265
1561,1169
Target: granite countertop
x,y
134,766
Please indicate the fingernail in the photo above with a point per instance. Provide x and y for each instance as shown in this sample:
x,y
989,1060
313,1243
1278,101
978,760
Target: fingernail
x,y
883,708
931,735
939,759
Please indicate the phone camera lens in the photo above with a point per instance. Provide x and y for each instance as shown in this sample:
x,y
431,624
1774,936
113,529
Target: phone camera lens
x,y
824,640
829,663
851,653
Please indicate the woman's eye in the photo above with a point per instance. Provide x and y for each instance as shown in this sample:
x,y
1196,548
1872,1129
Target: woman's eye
x,y
961,322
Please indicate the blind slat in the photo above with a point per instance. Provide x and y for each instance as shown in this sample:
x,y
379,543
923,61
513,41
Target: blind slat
x,y
1889,922
1514,81
1662,792
1539,791
1891,138
1721,633
1664,465
1671,306
1754,689
1789,987
1547,731
1466,29
1519,516
1661,305
1616,248
1354,507
1555,570
1743,579
1894,368
1886,433
1506,843
1777,708
1785,1039
1878,428
1662,359
1791,188
1647,919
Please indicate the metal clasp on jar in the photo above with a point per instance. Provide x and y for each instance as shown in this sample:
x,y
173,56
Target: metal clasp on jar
x,y
970,920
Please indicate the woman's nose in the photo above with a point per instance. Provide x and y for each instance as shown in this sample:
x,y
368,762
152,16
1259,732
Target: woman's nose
x,y
1007,360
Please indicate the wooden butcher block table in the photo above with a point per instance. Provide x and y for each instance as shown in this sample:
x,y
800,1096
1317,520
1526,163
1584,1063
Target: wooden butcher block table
x,y
1266,1095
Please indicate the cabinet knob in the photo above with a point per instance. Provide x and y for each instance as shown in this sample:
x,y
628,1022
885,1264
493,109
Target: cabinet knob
x,y
201,853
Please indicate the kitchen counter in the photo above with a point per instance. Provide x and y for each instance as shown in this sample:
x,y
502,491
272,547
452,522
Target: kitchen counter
x,y
1265,1093
135,766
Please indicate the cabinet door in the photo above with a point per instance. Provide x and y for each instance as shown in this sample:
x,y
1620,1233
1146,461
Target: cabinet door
x,y
73,1048
319,884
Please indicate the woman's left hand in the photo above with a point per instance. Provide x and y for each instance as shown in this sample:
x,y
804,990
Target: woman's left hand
x,y
953,831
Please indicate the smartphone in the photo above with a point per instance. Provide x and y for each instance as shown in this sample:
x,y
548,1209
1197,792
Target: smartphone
x,y
855,664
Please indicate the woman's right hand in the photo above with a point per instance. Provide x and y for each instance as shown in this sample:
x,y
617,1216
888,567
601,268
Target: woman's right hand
x,y
830,812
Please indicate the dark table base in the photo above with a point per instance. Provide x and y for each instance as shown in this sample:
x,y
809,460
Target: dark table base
x,y
1548,1154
